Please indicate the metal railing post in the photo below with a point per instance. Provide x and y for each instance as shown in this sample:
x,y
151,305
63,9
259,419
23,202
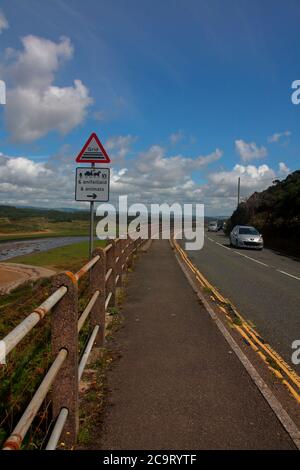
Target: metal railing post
x,y
111,285
118,262
129,253
64,335
97,317
123,257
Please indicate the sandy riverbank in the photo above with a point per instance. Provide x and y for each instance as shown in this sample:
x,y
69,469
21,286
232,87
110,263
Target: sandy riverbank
x,y
13,274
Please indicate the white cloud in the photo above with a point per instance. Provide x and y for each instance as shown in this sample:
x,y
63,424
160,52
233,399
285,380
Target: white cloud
x,y
278,136
26,182
253,178
34,105
283,169
149,177
154,177
35,66
3,22
250,174
249,151
176,137
118,147
18,170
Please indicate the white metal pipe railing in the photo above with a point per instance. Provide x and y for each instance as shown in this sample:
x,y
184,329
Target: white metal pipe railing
x,y
107,300
87,351
86,267
108,247
15,440
108,274
18,333
87,310
57,430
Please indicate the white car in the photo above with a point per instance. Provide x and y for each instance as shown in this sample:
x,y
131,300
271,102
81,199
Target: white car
x,y
243,236
213,226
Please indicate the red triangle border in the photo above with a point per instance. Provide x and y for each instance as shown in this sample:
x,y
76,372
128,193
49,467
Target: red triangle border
x,y
91,160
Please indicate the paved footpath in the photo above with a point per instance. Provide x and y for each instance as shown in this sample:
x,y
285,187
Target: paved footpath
x,y
177,384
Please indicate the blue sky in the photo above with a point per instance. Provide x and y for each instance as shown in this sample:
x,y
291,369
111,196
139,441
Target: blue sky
x,y
187,95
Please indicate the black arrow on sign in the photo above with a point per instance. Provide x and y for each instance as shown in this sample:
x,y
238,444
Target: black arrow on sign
x,y
92,195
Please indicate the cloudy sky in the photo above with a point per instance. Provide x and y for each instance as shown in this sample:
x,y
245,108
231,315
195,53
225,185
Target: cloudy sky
x,y
186,96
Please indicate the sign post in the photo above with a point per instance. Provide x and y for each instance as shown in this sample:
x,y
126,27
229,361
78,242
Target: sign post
x,y
92,184
91,244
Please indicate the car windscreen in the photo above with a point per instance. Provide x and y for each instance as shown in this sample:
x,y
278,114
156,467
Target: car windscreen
x,y
248,231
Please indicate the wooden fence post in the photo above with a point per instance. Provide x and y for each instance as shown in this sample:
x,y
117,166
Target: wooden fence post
x,y
97,317
64,335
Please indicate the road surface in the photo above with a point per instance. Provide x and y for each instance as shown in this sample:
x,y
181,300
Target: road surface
x,y
177,383
263,285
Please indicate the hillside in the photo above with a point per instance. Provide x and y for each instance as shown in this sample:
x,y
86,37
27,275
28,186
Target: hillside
x,y
275,212
17,223
53,215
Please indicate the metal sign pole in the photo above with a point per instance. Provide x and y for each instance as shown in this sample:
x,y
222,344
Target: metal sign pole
x,y
91,222
92,185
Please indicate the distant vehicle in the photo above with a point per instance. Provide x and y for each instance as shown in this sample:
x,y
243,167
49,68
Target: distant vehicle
x,y
224,227
244,236
213,226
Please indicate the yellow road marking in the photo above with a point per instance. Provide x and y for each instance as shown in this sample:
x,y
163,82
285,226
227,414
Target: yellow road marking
x,y
283,366
292,390
253,346
276,372
291,374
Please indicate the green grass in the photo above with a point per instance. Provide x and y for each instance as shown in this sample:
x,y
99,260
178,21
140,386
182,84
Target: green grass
x,y
41,228
68,257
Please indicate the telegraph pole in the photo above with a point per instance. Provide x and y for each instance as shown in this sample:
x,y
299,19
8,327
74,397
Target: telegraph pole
x,y
239,191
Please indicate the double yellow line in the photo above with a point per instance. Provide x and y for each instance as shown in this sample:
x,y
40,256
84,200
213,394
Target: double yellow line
x,y
273,360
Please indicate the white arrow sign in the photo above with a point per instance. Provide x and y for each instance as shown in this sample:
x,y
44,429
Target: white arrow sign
x,y
92,184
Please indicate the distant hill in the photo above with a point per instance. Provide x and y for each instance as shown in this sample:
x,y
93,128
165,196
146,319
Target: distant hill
x,y
275,212
53,215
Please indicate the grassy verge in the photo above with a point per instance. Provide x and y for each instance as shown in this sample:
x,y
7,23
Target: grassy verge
x,y
70,257
93,398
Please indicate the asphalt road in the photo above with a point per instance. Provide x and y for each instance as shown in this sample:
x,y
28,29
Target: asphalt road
x,y
263,285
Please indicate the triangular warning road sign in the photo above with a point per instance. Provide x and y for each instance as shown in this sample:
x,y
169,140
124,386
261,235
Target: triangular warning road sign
x,y
93,151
